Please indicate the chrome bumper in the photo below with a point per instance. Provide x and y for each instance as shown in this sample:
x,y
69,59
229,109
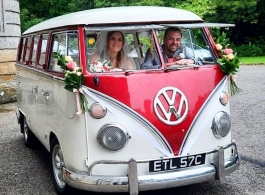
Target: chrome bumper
x,y
134,183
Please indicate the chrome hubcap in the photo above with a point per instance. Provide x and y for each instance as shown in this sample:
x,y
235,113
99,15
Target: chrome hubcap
x,y
26,132
57,165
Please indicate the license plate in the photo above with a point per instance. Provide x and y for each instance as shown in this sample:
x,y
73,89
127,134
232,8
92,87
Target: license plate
x,y
176,163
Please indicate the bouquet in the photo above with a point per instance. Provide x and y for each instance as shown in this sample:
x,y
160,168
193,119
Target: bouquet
x,y
98,66
74,79
229,64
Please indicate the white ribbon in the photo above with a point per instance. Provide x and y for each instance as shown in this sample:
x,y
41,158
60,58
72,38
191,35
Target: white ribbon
x,y
233,76
78,103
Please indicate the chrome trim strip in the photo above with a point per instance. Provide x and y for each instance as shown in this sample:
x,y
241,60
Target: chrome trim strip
x,y
199,25
121,28
135,115
148,160
198,114
160,180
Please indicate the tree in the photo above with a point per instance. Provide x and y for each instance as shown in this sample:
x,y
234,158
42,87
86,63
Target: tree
x,y
248,15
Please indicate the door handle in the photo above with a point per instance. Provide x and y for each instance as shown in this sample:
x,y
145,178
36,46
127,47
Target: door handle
x,y
46,94
35,91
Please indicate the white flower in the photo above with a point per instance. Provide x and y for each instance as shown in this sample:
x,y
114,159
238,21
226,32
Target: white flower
x,y
68,59
219,47
230,56
98,65
79,73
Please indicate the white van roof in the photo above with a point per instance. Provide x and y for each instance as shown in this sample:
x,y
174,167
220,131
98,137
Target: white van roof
x,y
118,15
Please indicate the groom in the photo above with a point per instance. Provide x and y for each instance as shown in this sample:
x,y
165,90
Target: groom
x,y
172,51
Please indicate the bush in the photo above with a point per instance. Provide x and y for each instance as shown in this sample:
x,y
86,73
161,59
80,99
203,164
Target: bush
x,y
248,50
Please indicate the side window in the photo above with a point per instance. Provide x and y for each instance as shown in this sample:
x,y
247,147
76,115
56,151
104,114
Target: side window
x,y
73,49
90,43
196,46
65,43
22,50
43,46
131,43
144,42
28,49
35,50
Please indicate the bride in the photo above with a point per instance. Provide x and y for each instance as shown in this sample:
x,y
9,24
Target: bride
x,y
111,46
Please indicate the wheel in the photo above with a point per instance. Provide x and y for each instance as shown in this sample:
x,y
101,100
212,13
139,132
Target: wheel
x,y
29,138
57,163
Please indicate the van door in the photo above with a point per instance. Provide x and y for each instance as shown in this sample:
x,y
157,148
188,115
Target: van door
x,y
53,101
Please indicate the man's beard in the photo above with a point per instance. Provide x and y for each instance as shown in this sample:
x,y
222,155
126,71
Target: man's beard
x,y
171,51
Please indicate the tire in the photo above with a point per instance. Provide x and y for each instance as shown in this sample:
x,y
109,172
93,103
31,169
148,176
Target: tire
x,y
56,158
29,138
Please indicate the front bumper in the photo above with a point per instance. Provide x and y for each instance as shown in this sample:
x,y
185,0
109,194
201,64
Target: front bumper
x,y
134,183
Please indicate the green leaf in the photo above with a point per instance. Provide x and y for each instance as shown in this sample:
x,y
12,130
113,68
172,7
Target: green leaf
x,y
69,88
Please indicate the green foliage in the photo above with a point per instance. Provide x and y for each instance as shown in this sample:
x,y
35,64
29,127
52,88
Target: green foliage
x,y
145,43
148,2
252,60
60,60
248,15
73,81
200,7
28,20
257,41
249,50
74,78
233,11
220,37
229,66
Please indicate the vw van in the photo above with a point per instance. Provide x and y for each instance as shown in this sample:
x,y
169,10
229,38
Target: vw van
x,y
142,129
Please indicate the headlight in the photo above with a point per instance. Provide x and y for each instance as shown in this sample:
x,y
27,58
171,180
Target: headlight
x,y
221,124
112,137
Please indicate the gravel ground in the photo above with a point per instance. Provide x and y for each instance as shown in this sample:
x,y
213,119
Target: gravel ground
x,y
26,171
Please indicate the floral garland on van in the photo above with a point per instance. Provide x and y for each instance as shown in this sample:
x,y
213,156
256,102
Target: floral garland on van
x,y
229,64
74,80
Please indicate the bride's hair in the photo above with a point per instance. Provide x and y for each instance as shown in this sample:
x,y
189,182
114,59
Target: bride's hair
x,y
100,50
121,53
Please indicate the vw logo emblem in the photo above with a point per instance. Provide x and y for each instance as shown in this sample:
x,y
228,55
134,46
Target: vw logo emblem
x,y
171,106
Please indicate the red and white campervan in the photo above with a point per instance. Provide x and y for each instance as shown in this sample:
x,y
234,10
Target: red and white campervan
x,y
144,129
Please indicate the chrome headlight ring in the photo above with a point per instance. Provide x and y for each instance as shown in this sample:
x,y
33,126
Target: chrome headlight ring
x,y
221,124
97,111
224,98
113,137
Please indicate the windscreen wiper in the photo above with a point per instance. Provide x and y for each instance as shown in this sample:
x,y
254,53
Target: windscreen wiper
x,y
181,67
